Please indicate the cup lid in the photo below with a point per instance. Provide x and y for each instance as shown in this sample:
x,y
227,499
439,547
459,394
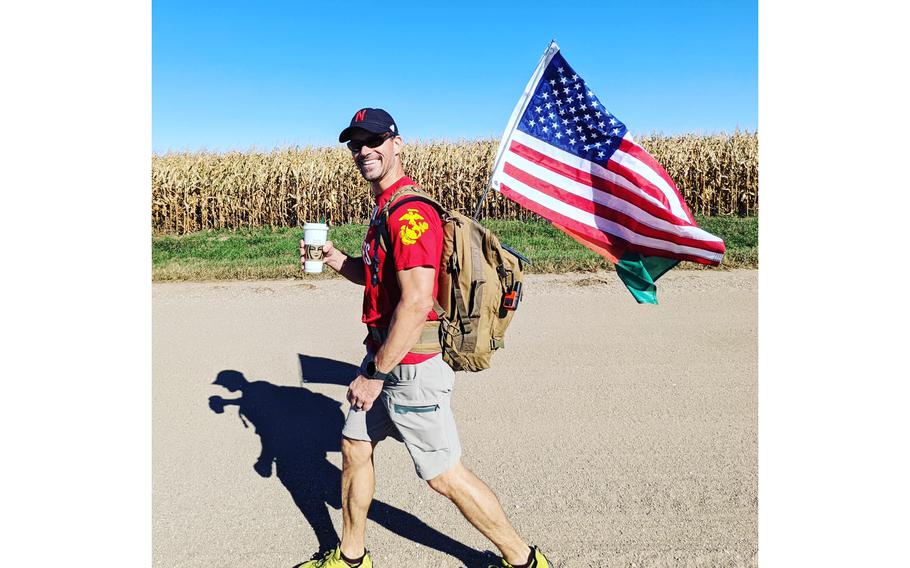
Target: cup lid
x,y
316,226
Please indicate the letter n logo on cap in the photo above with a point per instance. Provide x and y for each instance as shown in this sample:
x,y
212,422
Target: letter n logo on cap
x,y
361,114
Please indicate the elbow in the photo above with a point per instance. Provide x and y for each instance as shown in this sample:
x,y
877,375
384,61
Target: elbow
x,y
418,305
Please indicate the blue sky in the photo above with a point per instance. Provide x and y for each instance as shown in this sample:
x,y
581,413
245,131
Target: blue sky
x,y
236,75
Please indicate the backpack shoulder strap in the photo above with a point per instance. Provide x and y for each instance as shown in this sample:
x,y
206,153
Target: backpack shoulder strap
x,y
407,189
407,194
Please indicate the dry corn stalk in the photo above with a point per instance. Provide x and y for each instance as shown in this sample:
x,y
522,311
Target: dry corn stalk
x,y
716,174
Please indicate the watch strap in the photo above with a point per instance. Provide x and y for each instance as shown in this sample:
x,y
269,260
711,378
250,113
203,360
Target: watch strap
x,y
374,373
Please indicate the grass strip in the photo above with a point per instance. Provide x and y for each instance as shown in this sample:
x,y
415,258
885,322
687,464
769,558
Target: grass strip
x,y
270,253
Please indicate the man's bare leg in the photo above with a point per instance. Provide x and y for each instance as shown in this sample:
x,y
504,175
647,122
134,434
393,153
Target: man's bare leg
x,y
481,508
357,485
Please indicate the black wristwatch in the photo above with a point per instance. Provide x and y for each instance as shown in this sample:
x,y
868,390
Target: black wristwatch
x,y
374,373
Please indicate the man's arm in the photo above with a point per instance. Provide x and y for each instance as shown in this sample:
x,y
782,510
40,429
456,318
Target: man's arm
x,y
408,317
404,331
351,267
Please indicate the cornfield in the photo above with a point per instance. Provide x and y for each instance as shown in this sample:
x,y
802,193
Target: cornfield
x,y
717,175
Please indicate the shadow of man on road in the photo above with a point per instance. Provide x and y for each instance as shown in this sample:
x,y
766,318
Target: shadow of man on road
x,y
297,427
325,371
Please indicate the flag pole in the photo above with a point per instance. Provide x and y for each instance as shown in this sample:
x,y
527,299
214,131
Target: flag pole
x,y
516,115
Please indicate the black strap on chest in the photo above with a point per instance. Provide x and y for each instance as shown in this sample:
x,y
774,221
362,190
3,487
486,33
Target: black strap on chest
x,y
374,261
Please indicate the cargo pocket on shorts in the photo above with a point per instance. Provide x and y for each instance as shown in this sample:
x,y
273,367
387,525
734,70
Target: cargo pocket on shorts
x,y
421,425
405,409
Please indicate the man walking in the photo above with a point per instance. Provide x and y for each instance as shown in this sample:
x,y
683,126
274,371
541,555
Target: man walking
x,y
404,387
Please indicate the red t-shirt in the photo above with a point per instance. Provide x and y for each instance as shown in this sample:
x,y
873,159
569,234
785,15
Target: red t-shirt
x,y
415,230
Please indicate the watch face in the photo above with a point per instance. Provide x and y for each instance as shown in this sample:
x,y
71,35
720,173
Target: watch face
x,y
371,368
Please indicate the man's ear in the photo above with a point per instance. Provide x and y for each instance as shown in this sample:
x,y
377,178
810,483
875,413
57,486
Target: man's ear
x,y
397,144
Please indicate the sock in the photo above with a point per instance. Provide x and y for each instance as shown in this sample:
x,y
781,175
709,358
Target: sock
x,y
353,562
531,563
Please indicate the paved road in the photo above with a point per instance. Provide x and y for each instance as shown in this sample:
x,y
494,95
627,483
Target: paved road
x,y
614,434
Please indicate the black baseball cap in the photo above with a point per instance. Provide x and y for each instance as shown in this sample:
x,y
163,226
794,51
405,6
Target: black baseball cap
x,y
373,120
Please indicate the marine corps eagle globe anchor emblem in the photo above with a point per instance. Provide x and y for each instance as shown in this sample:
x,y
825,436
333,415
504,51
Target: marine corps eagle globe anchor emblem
x,y
416,227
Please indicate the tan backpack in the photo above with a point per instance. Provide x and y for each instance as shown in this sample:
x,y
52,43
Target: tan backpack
x,y
480,286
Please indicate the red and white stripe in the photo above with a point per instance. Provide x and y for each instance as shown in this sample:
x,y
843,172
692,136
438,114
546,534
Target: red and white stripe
x,y
629,205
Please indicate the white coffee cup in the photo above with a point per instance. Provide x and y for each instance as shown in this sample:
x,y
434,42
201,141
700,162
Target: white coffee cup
x,y
314,236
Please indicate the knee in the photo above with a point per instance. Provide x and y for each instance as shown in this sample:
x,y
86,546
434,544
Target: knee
x,y
356,452
446,482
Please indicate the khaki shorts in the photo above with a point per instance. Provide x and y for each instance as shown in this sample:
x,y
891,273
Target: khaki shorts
x,y
415,408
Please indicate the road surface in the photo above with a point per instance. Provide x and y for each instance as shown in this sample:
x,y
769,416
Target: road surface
x,y
614,434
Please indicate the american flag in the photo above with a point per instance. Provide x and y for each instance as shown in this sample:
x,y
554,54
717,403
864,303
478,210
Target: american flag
x,y
568,159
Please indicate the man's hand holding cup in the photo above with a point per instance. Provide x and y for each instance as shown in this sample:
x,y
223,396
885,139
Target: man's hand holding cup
x,y
330,256
315,250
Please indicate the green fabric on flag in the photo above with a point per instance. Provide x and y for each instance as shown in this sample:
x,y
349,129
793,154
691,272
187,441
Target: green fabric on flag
x,y
639,273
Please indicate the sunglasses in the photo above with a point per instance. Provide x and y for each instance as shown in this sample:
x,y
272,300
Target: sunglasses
x,y
371,142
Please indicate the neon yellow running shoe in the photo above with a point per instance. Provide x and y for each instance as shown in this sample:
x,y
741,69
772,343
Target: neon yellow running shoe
x,y
332,559
540,561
